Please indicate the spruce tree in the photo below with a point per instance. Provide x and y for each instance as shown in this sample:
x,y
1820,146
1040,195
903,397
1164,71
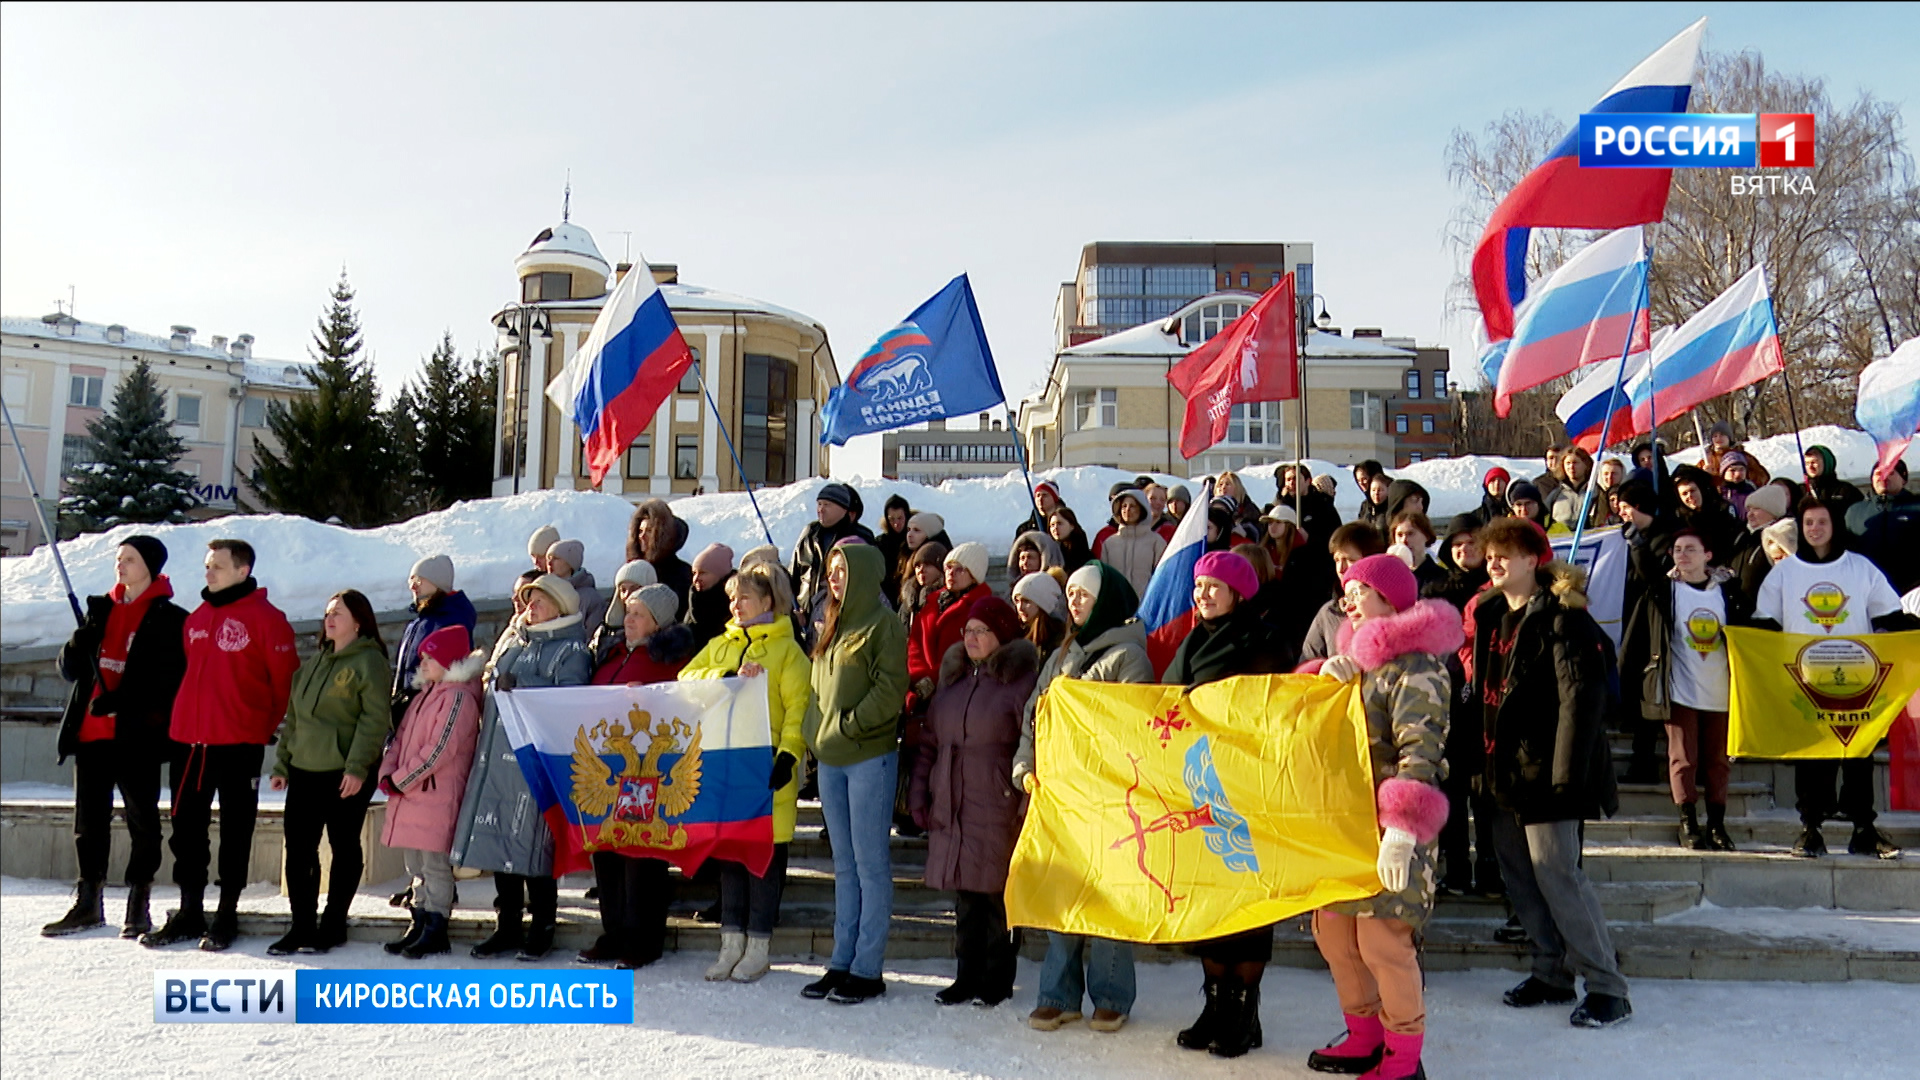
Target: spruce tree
x,y
131,476
336,456
449,411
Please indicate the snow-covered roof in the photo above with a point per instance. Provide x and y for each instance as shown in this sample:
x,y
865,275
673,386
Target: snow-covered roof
x,y
1151,339
700,298
1330,346
96,334
568,238
291,374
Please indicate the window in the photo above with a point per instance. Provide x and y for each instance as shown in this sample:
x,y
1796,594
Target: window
x,y
1426,424
186,410
1258,422
1364,410
1243,279
690,382
86,391
1226,281
546,286
1439,384
1413,458
15,390
253,412
686,457
1203,324
1413,382
1096,408
75,450
1276,280
640,457
1400,424
766,418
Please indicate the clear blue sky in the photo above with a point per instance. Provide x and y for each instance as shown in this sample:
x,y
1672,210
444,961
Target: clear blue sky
x,y
216,166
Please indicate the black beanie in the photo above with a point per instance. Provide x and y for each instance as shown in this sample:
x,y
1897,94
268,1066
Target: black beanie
x,y
152,552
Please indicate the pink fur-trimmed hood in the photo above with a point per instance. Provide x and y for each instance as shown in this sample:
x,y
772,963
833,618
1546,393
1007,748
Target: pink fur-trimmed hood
x,y
1429,626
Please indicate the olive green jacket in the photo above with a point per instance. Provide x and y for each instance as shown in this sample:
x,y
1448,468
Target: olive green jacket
x,y
340,712
861,678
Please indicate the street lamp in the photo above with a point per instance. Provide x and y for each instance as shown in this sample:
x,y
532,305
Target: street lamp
x,y
1304,321
513,326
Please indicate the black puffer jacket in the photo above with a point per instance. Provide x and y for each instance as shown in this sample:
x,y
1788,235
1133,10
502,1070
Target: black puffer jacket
x,y
1239,644
1547,753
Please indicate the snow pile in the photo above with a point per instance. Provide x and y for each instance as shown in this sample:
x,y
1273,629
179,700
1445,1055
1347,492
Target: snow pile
x,y
303,562
1853,452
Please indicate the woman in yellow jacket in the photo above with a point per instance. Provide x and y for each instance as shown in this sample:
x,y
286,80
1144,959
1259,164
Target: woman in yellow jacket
x,y
759,639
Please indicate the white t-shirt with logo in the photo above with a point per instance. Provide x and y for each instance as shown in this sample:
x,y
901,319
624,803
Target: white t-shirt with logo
x,y
1697,666
1831,599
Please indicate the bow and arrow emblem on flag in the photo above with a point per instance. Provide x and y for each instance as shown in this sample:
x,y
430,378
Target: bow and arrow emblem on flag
x,y
1226,832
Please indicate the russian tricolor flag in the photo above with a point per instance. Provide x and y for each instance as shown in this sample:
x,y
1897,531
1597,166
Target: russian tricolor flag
x,y
1584,409
1731,343
1559,194
1591,309
1167,609
1889,404
633,359
672,771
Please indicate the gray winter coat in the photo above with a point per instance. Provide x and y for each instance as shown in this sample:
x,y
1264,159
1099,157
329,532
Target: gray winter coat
x,y
1323,635
593,606
500,827
1117,656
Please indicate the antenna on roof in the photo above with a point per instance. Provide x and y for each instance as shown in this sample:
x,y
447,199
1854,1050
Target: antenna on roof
x,y
626,252
566,199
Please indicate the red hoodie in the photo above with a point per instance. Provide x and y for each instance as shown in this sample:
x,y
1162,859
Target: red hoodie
x,y
240,665
122,623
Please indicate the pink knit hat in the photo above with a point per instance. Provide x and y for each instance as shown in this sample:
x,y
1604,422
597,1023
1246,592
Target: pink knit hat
x,y
448,645
1388,576
1231,570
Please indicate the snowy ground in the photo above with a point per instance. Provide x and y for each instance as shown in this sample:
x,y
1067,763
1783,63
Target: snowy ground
x,y
303,563
83,1006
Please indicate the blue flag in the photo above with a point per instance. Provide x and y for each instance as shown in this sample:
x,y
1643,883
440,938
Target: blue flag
x,y
934,365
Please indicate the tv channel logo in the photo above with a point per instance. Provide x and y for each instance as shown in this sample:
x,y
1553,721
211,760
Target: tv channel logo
x,y
1696,140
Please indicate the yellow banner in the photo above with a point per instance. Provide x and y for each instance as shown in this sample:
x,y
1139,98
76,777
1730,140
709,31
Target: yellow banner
x,y
1163,816
1809,696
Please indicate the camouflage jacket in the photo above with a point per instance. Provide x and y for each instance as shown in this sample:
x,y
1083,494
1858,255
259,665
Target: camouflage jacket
x,y
1406,690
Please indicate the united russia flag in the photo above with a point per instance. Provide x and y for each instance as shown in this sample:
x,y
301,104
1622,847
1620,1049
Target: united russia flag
x,y
631,361
1559,194
672,771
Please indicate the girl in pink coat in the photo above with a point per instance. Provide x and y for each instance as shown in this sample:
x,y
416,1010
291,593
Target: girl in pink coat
x,y
424,774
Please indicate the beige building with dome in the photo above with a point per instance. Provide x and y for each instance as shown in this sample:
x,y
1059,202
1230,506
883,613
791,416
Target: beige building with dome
x,y
769,369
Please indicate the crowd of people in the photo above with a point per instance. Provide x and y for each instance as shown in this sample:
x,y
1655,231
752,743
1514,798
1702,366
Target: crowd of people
x,y
903,692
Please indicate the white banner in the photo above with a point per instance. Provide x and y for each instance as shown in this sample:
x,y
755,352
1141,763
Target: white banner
x,y
1603,555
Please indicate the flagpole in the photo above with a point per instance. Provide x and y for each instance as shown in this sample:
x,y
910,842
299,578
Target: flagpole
x,y
721,423
1606,424
53,538
1794,418
1020,447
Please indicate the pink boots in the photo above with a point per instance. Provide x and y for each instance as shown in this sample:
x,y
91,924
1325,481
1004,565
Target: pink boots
x,y
1402,1060
1358,1052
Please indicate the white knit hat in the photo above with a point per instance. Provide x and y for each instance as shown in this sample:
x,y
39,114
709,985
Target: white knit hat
x,y
1086,578
971,557
1042,591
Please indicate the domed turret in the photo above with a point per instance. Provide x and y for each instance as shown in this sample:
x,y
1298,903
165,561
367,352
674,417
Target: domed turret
x,y
562,263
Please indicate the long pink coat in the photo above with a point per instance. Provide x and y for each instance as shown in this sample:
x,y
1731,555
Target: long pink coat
x,y
429,758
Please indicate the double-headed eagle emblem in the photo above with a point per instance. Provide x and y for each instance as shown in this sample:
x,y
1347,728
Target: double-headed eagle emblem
x,y
639,801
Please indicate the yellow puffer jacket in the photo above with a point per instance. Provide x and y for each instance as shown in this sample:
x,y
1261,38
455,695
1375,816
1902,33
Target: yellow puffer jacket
x,y
789,693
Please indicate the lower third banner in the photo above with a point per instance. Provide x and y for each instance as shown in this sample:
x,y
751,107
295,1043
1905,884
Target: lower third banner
x,y
1162,815
672,771
1803,696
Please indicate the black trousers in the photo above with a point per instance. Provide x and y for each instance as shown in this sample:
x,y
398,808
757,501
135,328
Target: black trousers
x,y
1813,790
538,896
314,805
634,895
1253,946
1461,838
199,772
987,952
99,768
752,904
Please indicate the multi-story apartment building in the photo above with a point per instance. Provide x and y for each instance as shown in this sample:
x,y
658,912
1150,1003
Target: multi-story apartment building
x,y
1119,284
937,452
60,373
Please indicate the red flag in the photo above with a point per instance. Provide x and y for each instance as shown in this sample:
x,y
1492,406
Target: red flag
x,y
1256,358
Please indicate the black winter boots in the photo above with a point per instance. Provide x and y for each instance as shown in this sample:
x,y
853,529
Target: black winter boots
x,y
187,924
1200,1036
507,937
88,911
138,920
432,940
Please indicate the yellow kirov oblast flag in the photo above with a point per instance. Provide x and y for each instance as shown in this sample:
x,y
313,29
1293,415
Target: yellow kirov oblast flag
x,y
1164,816
1807,696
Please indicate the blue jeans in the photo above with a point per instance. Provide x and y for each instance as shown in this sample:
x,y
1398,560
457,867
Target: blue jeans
x,y
1107,978
858,803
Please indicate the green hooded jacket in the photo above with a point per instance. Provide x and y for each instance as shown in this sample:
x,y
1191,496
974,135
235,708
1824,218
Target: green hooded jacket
x,y
861,678
339,713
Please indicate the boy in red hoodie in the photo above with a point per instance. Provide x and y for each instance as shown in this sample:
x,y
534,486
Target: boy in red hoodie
x,y
240,665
